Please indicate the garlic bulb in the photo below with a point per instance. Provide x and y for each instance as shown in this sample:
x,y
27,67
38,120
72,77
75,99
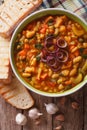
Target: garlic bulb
x,y
21,119
51,108
34,113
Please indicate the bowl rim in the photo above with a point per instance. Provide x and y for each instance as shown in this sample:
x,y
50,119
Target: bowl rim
x,y
27,85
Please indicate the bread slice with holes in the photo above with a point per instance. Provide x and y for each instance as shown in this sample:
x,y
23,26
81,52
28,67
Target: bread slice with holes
x,y
16,94
12,12
5,69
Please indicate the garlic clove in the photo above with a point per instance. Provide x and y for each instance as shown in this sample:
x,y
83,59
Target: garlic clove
x,y
51,108
21,119
34,113
39,114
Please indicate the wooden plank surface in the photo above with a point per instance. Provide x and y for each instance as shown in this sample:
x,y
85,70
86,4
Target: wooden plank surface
x,y
7,116
85,107
73,118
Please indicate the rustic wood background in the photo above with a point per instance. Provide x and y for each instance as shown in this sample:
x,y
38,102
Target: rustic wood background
x,y
74,119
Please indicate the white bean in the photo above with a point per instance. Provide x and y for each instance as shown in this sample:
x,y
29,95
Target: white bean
x,y
55,76
30,34
78,79
60,87
26,75
84,68
65,72
77,59
29,69
33,62
73,72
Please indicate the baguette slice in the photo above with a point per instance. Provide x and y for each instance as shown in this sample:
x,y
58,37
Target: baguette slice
x,y
12,12
16,94
5,69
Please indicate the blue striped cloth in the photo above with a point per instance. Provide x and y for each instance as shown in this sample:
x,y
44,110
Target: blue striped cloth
x,y
77,6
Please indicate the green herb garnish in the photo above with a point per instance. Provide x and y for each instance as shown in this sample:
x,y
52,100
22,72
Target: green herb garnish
x,y
81,50
84,56
68,87
38,57
38,46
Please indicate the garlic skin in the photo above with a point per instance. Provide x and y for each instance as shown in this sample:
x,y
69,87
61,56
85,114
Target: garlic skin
x,y
21,119
34,113
51,108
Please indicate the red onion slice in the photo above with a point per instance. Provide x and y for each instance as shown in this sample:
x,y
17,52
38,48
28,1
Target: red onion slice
x,y
49,43
61,43
65,56
44,56
59,55
56,67
54,52
51,61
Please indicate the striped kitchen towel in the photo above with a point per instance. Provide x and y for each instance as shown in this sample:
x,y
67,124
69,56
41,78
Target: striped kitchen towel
x,y
77,6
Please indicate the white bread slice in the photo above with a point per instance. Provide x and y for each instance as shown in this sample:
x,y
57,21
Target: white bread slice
x,y
4,61
15,10
34,2
6,77
5,17
5,69
16,94
3,26
4,89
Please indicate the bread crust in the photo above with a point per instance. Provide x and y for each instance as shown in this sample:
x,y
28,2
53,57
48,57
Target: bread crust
x,y
16,94
5,68
15,11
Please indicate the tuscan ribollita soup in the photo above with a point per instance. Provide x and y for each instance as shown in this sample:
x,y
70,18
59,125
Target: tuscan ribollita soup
x,y
51,53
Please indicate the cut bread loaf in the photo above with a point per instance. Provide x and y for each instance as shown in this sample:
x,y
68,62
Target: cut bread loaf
x,y
5,69
13,11
16,94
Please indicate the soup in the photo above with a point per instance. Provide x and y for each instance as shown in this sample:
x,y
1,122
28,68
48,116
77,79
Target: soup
x,y
51,53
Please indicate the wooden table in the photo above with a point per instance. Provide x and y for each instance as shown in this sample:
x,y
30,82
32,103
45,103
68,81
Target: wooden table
x,y
74,119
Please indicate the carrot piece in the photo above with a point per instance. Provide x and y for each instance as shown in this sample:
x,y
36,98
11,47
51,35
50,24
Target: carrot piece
x,y
71,47
26,46
44,76
51,84
76,53
43,30
23,32
68,82
48,19
22,53
45,26
31,26
72,56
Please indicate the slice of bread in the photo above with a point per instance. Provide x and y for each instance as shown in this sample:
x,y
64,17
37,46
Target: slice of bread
x,y
13,11
5,69
16,94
